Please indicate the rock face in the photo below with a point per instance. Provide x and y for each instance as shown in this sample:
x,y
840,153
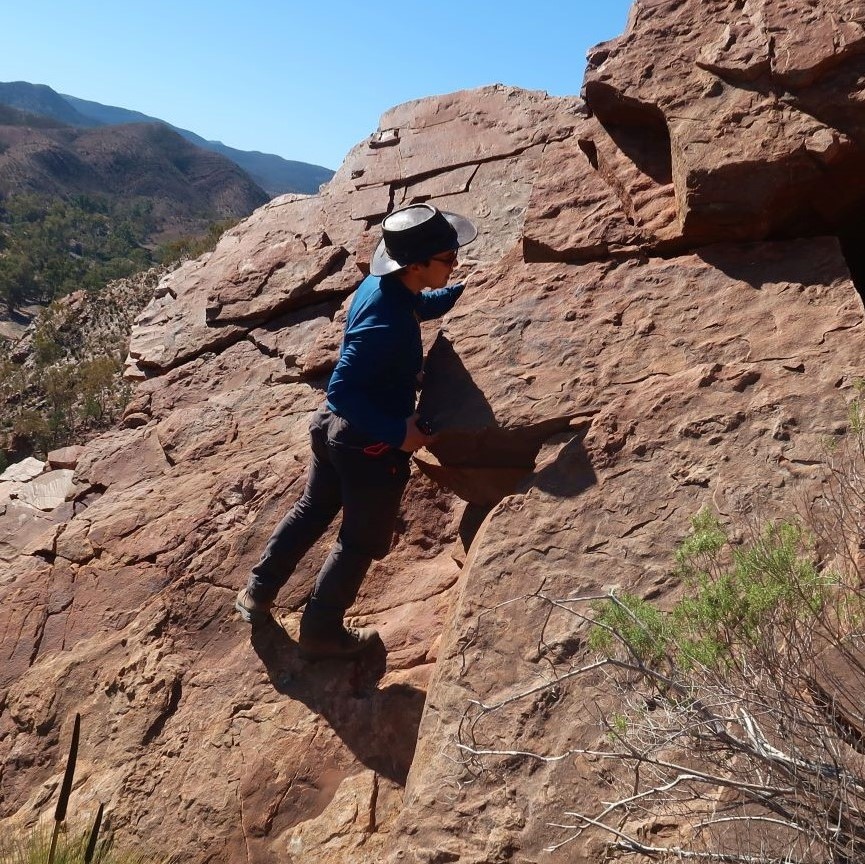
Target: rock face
x,y
656,320
747,109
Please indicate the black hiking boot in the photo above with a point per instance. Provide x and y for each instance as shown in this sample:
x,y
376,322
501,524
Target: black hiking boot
x,y
335,642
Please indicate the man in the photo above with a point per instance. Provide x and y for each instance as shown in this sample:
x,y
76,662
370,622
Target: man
x,y
363,436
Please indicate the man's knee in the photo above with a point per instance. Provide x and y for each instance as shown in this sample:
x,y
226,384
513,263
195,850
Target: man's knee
x,y
371,544
309,510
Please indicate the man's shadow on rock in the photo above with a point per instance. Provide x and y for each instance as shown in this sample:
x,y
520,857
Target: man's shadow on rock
x,y
379,726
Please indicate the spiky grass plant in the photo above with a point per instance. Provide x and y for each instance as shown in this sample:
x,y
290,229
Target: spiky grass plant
x,y
64,844
72,846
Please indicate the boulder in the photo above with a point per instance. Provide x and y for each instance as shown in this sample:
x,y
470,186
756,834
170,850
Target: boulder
x,y
65,457
48,490
24,531
683,408
21,472
754,118
172,329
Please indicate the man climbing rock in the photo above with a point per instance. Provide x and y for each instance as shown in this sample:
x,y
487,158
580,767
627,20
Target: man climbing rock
x,y
363,436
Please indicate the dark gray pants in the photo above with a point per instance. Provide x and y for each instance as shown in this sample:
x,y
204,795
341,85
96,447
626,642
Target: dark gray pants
x,y
367,488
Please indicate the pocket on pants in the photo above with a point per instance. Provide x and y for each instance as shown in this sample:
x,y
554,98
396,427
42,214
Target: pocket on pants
x,y
392,468
342,434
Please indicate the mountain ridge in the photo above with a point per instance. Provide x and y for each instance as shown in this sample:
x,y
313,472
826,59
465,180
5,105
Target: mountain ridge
x,y
272,173
136,160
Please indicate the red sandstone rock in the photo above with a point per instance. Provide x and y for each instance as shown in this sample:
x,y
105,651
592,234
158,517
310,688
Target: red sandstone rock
x,y
756,113
65,457
609,511
293,336
586,409
625,200
173,329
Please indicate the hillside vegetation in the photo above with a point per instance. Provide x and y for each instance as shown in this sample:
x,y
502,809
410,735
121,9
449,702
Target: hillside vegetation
x,y
49,248
52,247
79,207
186,185
62,382
83,260
87,217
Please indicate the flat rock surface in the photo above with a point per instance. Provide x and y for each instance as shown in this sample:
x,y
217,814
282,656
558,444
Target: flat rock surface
x,y
610,369
23,471
48,490
173,329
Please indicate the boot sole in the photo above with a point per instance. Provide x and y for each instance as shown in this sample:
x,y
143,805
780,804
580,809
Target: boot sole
x,y
250,616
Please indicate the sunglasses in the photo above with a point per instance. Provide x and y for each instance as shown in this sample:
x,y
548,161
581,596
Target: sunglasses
x,y
449,258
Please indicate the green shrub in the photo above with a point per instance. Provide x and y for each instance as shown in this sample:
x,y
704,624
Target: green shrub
x,y
734,598
34,427
194,245
635,622
746,689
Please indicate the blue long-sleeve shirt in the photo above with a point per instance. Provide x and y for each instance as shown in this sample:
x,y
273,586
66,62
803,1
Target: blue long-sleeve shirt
x,y
374,383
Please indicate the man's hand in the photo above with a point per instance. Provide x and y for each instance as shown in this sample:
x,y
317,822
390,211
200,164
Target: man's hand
x,y
469,280
415,438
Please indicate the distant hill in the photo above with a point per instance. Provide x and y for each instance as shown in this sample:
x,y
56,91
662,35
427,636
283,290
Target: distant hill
x,y
137,161
42,100
272,173
14,117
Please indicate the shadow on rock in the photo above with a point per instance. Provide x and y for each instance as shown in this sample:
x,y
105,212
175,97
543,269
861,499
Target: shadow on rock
x,y
476,458
763,264
450,397
379,725
570,474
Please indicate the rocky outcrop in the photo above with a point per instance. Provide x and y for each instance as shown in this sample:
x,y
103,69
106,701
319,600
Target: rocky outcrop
x,y
745,109
653,323
35,499
62,379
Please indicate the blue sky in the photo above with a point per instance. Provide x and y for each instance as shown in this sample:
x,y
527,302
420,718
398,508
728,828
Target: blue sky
x,y
306,81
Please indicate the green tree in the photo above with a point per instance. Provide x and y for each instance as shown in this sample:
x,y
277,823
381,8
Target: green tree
x,y
16,280
33,427
47,347
98,384
60,385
